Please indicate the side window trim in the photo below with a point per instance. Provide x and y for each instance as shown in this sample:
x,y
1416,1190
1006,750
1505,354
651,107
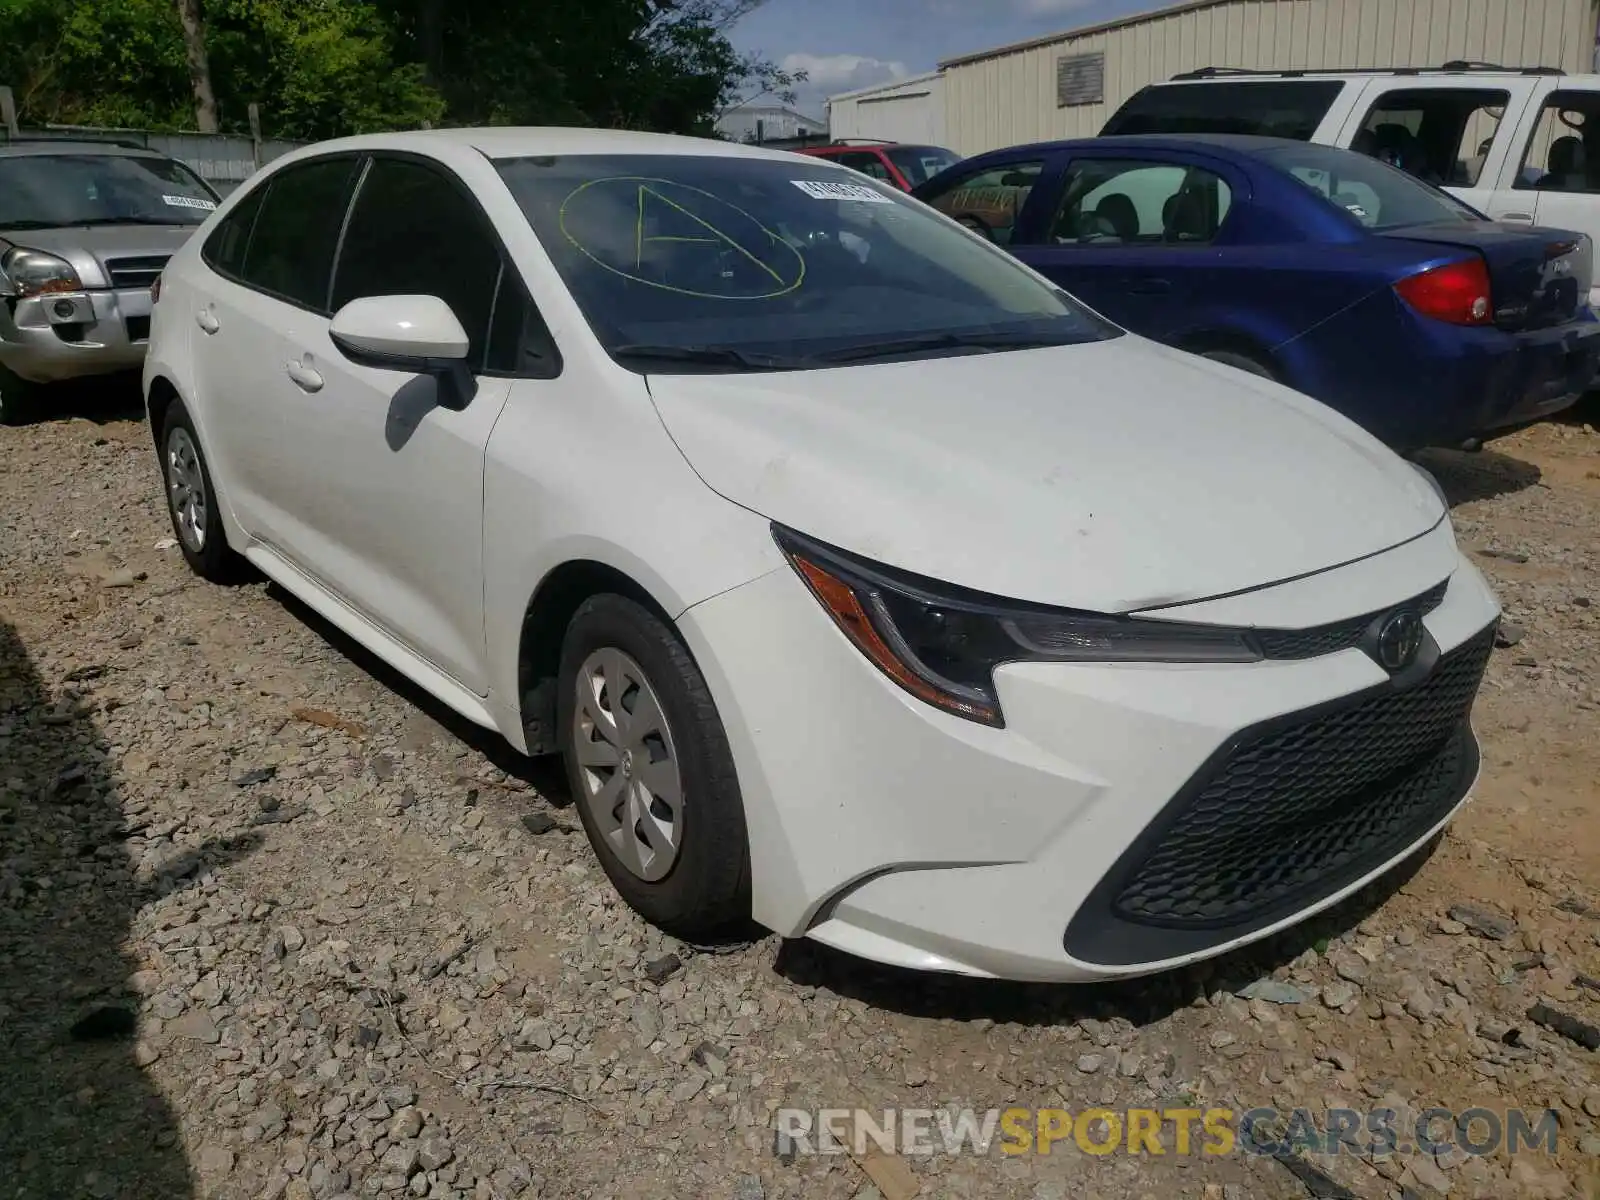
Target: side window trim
x,y
362,172
247,199
508,267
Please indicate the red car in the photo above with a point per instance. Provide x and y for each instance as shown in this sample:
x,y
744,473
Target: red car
x,y
903,165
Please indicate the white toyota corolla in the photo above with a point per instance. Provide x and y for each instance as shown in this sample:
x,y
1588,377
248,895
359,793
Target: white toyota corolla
x,y
870,585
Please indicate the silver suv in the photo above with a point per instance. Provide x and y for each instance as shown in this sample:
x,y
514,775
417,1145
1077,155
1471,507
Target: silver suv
x,y
85,229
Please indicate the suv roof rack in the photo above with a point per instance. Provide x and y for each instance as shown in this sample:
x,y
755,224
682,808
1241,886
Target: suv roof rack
x,y
1453,67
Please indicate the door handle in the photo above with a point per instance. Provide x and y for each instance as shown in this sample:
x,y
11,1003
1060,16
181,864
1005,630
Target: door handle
x,y
1517,216
306,379
207,321
1150,287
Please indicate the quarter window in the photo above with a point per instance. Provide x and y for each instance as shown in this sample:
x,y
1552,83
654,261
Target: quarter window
x,y
291,247
989,201
1440,135
1564,153
224,249
1115,202
457,259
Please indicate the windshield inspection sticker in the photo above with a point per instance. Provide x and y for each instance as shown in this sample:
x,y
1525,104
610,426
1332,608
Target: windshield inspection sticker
x,y
818,190
189,202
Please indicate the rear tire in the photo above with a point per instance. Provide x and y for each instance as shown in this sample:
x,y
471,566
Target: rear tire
x,y
18,400
192,500
650,769
1243,362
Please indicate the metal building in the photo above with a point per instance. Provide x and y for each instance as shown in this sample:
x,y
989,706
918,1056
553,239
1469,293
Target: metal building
x,y
903,110
1068,85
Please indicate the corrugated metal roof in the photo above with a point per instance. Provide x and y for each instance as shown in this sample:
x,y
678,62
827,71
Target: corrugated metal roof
x,y
888,85
1083,31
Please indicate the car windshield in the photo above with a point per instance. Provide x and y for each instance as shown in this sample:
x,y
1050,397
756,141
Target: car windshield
x,y
1375,194
921,163
49,191
727,262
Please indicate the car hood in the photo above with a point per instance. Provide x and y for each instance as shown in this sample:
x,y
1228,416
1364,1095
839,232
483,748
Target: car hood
x,y
88,249
1113,476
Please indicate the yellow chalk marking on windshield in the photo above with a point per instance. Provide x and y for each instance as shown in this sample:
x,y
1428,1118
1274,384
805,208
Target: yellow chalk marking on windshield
x,y
718,237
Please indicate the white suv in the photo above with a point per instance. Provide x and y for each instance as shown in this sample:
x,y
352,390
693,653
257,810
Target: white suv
x,y
871,585
1520,145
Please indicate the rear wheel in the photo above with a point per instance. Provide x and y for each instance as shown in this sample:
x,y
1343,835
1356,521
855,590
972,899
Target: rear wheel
x,y
191,499
650,769
18,400
1244,362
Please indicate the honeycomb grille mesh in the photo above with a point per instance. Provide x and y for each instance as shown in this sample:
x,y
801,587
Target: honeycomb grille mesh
x,y
1340,635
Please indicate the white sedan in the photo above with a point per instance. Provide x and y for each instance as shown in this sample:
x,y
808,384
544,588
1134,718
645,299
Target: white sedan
x,y
871,586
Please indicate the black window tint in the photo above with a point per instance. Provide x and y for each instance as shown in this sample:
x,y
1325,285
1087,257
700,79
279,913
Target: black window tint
x,y
1563,155
413,233
519,343
1285,108
291,250
1441,135
225,248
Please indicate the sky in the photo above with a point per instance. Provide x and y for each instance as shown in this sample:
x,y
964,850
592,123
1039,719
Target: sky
x,y
848,44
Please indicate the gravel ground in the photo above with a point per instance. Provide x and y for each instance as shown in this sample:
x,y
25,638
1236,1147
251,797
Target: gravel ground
x,y
273,924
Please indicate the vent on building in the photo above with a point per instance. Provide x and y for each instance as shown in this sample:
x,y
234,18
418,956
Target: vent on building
x,y
1080,79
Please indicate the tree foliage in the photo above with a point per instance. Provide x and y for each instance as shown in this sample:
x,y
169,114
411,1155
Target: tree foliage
x,y
322,68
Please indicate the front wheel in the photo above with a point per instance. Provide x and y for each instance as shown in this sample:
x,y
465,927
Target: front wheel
x,y
650,769
18,400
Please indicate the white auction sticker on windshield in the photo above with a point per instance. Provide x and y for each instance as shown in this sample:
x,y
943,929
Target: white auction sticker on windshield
x,y
189,202
819,190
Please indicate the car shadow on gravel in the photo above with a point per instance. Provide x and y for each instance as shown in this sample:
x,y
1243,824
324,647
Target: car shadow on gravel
x,y
1142,1001
545,775
78,1117
104,400
1466,476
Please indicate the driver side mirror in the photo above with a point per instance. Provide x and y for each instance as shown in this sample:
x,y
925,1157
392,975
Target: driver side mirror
x,y
416,334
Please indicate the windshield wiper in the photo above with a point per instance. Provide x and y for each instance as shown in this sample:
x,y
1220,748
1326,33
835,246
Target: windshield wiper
x,y
941,341
710,355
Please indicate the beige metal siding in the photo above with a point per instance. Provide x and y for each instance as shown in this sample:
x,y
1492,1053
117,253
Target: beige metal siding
x,y
1011,98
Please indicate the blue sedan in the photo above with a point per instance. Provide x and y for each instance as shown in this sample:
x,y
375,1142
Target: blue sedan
x,y
1383,297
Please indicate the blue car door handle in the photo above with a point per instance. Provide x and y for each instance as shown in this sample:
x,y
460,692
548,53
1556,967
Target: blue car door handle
x,y
1150,287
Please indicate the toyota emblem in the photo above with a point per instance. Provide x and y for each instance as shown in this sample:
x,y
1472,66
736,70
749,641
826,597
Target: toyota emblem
x,y
1399,639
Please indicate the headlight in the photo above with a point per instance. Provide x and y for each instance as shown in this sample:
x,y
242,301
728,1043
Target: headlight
x,y
942,643
35,273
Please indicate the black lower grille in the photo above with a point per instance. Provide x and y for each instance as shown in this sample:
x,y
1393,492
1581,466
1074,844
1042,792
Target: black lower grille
x,y
1339,635
135,272
1289,812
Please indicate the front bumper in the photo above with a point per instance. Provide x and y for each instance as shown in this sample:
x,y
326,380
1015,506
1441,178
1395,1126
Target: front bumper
x,y
45,339
890,830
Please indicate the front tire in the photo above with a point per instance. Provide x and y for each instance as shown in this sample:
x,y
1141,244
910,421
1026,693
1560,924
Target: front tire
x,y
650,769
192,500
18,400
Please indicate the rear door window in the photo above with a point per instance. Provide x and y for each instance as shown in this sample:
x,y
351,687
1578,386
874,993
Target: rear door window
x,y
1563,154
290,253
1441,135
1285,108
988,201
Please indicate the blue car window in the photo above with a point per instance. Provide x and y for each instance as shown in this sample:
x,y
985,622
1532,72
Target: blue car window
x,y
1114,202
1365,189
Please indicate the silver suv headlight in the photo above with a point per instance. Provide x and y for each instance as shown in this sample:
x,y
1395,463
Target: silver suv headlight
x,y
35,273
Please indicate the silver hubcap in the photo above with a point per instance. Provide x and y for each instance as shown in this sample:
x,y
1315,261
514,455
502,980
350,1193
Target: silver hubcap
x,y
627,764
186,489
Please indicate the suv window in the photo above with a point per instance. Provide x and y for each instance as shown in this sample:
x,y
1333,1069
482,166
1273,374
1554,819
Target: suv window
x,y
865,161
290,252
1440,135
989,201
1123,202
1286,108
414,232
1564,153
224,249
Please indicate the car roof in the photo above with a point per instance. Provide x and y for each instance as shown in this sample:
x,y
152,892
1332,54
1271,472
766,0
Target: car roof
x,y
504,142
26,148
